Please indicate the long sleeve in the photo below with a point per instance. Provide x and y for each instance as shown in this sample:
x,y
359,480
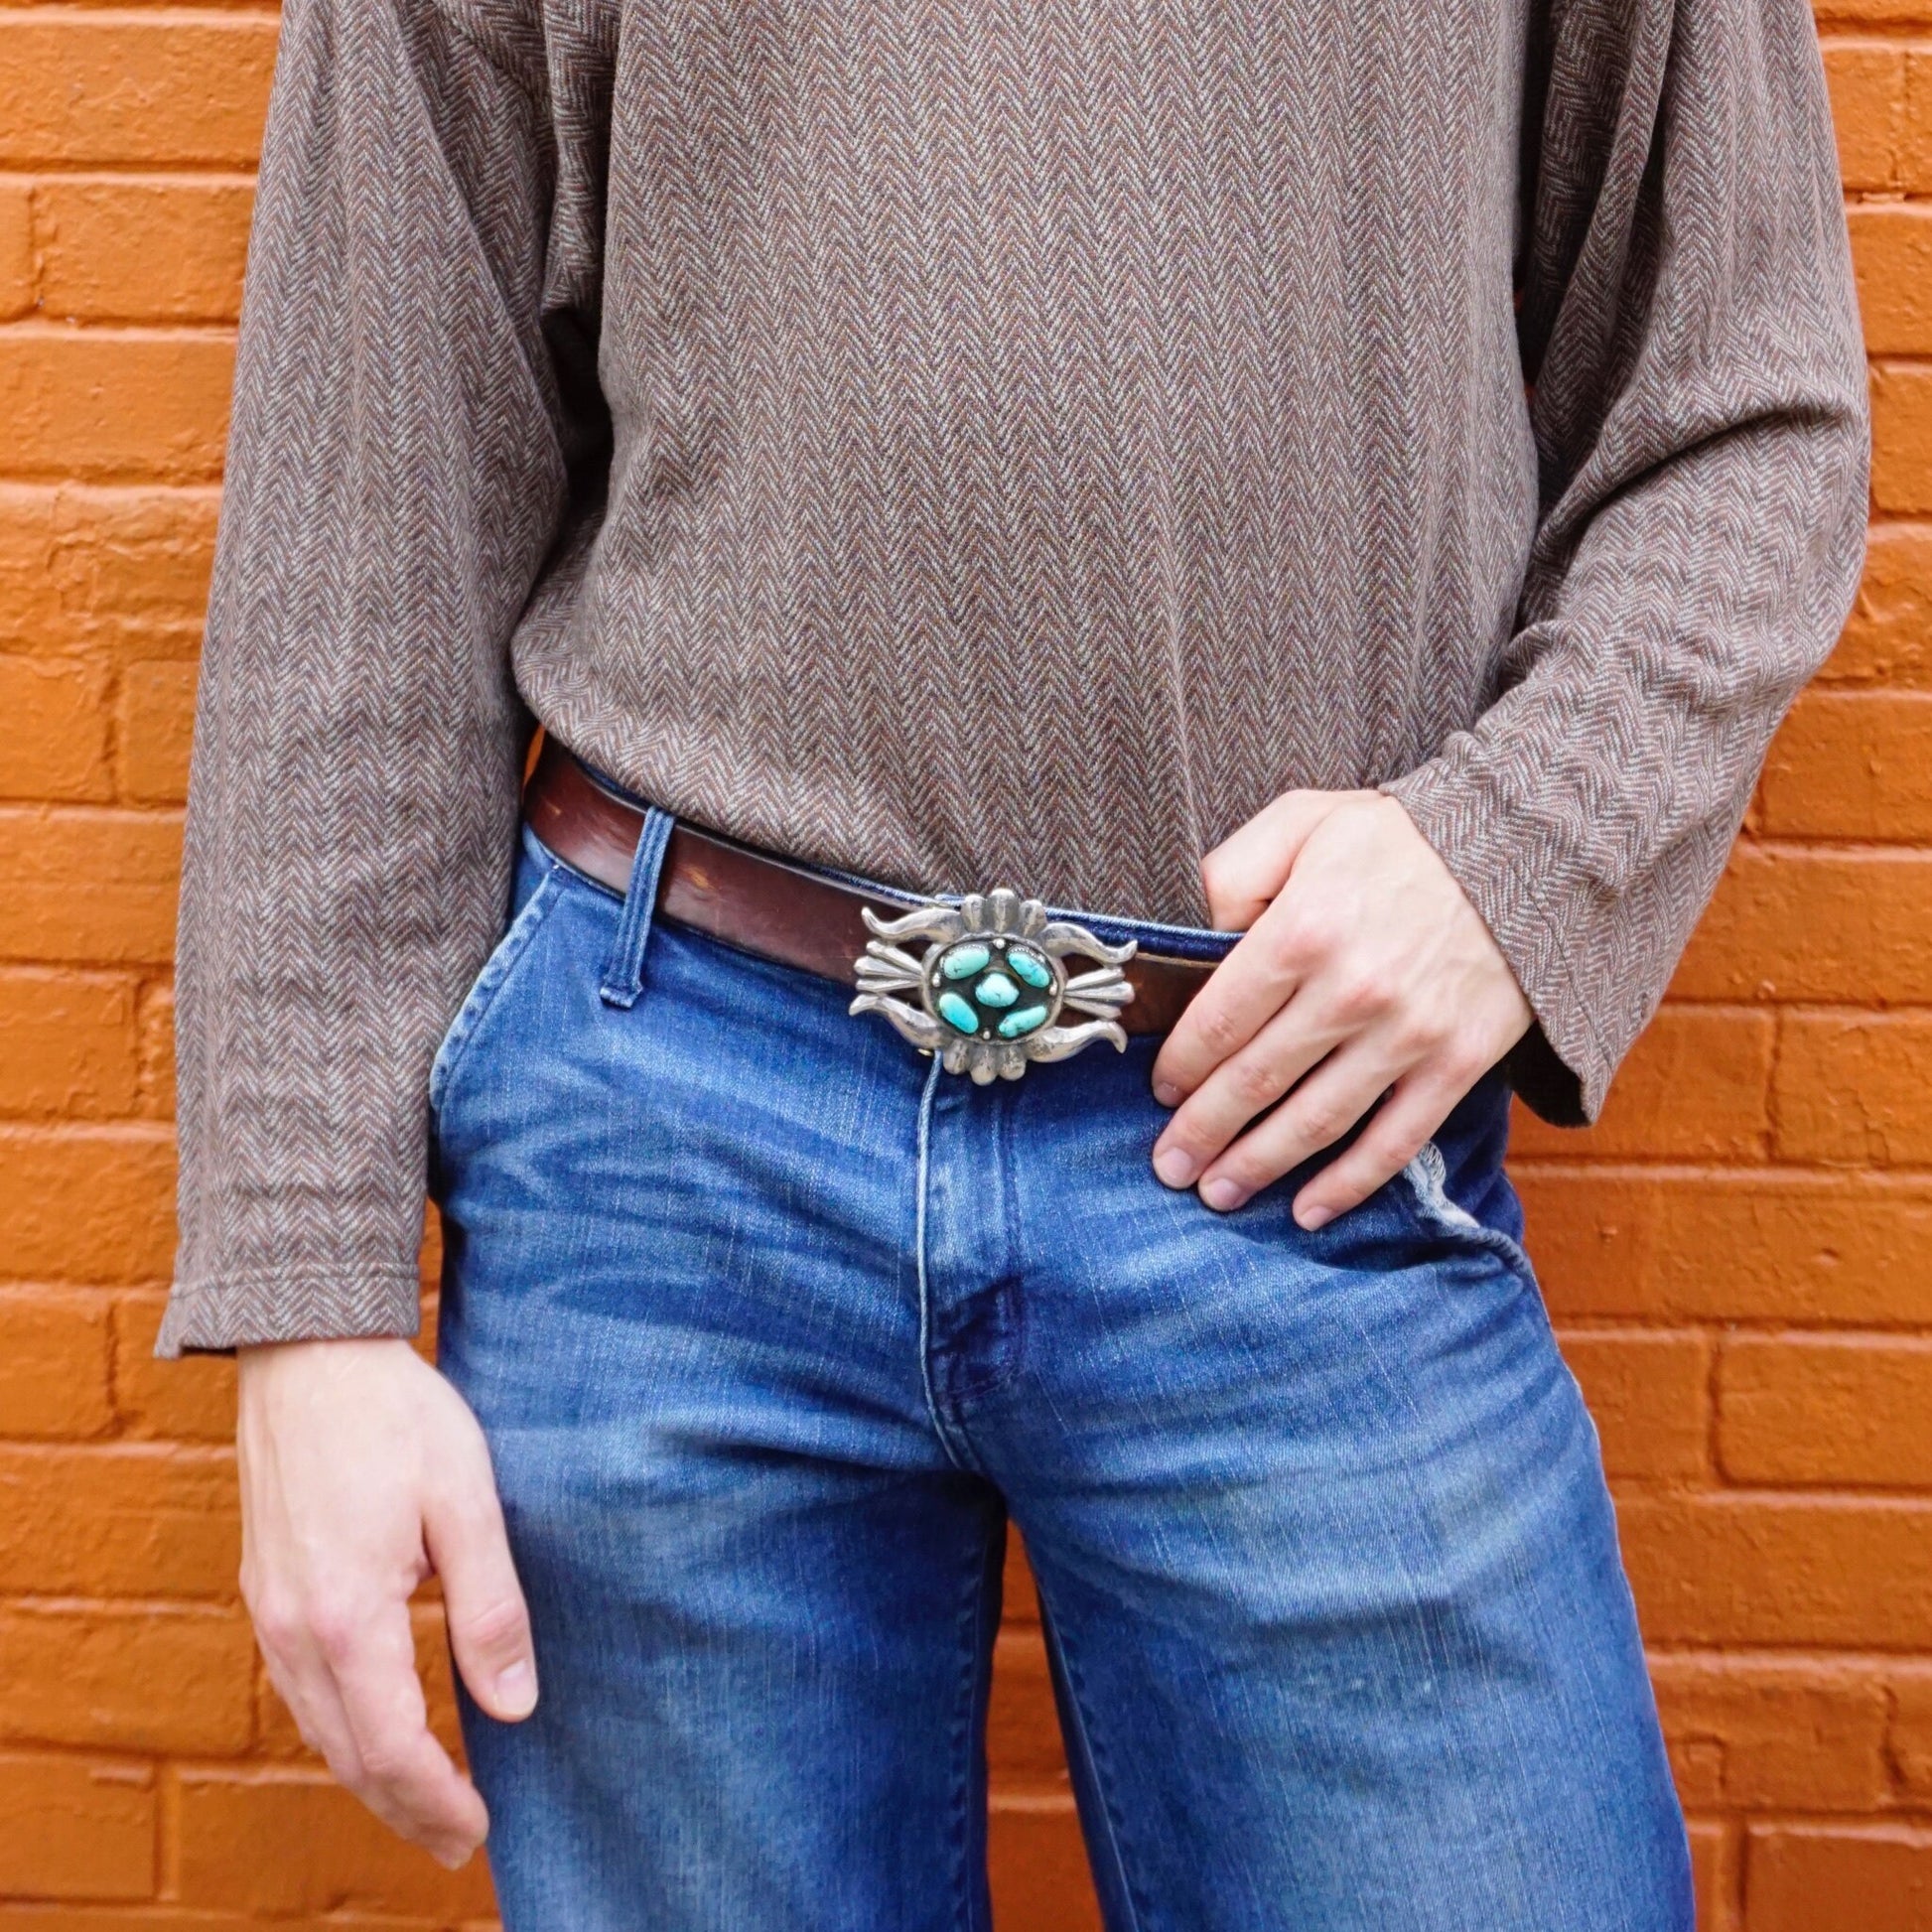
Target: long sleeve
x,y
415,437
1689,327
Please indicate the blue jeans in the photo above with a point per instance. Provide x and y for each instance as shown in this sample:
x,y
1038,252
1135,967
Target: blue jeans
x,y
771,1325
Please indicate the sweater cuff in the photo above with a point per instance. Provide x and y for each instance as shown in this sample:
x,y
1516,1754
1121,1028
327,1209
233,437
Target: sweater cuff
x,y
238,1310
1562,1067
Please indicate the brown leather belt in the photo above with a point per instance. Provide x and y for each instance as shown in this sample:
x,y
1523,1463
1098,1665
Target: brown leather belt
x,y
763,903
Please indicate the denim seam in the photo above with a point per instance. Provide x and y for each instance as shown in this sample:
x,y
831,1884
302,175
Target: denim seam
x,y
487,988
1082,1740
924,1170
972,1617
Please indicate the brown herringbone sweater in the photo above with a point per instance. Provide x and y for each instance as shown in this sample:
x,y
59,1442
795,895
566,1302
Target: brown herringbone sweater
x,y
987,440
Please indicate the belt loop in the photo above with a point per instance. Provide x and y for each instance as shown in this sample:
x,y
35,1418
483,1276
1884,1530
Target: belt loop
x,y
623,971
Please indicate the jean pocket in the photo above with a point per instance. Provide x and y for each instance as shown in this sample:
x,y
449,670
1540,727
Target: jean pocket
x,y
1426,1179
487,987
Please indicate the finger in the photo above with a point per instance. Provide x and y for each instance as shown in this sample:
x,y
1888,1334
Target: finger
x,y
406,1776
304,1683
1285,1050
1316,1115
1243,875
489,1624
1414,1109
1243,993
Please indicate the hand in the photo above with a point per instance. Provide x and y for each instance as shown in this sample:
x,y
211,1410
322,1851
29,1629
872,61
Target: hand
x,y
1364,971
362,1470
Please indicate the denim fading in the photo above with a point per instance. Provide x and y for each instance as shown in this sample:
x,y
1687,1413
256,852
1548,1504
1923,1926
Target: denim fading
x,y
772,1325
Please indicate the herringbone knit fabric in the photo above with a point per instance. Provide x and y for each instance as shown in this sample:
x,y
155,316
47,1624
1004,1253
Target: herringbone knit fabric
x,y
979,441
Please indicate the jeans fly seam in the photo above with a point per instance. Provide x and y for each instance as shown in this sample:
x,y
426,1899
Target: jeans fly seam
x,y
939,1427
1084,1742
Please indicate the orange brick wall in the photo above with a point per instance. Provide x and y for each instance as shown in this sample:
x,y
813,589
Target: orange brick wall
x,y
1740,1257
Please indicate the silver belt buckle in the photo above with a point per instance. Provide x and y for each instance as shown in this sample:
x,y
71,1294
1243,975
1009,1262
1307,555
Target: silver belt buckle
x,y
988,992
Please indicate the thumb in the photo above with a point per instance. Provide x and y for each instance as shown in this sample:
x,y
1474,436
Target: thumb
x,y
489,1624
1244,874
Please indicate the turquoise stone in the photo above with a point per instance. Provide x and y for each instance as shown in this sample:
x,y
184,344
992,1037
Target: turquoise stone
x,y
996,990
1030,968
958,1012
1017,1026
963,962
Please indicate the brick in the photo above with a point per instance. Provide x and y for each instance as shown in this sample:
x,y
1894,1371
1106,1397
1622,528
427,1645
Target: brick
x,y
101,404
155,727
1801,1877
68,1044
1851,1088
1891,249
87,1204
69,1828
1888,639
1017,1587
20,1916
1818,924
155,250
329,1854
1758,1734
1853,764
94,886
1039,1865
1725,1569
1023,1733
1694,1087
1619,1244
1866,79
1646,1393
1801,1408
16,249
140,1519
120,89
130,1677
1908,1739
57,736
116,569
1915,119
187,1401
1714,1874
275,1727
157,1028
1901,438
53,1366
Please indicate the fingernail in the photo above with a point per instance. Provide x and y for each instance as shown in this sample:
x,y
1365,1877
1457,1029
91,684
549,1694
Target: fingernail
x,y
1175,1166
516,1689
1315,1217
1166,1093
1221,1193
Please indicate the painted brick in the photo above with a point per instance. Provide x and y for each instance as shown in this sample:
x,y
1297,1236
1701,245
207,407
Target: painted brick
x,y
1646,1393
1681,1246
1891,248
71,1828
188,1401
1867,83
127,1678
1714,1858
1908,1738
1039,1865
1749,1734
1901,438
68,1044
53,1366
1725,1569
1802,1877
329,1854
88,885
1797,1409
112,404
105,1520
156,725
1888,637
109,569
87,1204
1795,923
118,87
56,742
1853,764
1851,1089
1915,117
157,1028
142,250
1023,1735
1694,1087
16,249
